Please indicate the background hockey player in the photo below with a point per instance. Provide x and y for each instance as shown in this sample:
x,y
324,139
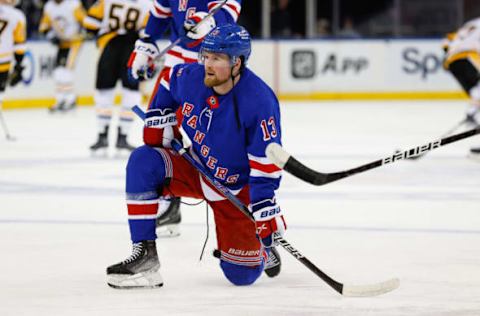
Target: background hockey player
x,y
61,23
178,17
463,61
230,115
12,45
116,24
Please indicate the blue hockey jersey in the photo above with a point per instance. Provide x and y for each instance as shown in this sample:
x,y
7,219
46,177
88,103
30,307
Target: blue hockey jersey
x,y
171,14
229,133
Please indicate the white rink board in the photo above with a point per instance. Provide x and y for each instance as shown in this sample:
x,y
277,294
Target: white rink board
x,y
290,67
363,65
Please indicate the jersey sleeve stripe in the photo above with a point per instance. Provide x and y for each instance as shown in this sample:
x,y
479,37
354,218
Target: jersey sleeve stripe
x,y
160,11
186,59
258,173
232,7
165,83
268,168
261,160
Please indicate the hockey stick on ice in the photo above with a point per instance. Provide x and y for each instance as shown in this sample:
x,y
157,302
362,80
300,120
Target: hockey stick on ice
x,y
345,290
449,132
4,126
178,40
287,162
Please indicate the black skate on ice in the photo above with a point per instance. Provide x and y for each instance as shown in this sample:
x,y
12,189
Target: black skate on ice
x,y
471,121
140,270
168,223
475,150
273,264
57,107
122,142
69,106
102,141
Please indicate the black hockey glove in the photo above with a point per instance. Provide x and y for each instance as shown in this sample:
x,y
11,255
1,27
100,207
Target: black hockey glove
x,y
16,75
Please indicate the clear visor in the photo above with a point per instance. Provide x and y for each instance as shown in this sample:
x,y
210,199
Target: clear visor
x,y
203,54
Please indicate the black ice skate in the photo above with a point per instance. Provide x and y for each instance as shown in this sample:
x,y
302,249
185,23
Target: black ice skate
x,y
122,142
140,270
56,107
475,150
69,106
102,141
471,121
168,222
273,264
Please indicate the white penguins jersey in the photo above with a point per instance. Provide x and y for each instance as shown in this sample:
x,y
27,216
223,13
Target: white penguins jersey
x,y
466,39
12,33
64,18
117,16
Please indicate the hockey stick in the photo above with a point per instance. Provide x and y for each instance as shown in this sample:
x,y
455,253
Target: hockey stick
x,y
287,162
4,126
178,40
343,289
449,132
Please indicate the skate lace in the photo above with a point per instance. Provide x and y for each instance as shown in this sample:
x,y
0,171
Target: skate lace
x,y
272,260
137,251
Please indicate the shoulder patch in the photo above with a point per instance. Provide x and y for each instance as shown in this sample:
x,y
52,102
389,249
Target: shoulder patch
x,y
179,71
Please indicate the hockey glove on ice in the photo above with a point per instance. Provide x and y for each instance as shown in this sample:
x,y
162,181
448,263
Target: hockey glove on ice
x,y
141,65
160,128
268,220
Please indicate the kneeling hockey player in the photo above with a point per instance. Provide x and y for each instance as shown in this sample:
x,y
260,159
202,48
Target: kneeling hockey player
x,y
230,116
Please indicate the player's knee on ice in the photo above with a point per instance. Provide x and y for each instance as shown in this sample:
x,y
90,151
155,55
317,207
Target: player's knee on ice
x,y
145,170
241,275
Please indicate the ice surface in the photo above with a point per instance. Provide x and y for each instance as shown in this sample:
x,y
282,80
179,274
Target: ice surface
x,y
63,220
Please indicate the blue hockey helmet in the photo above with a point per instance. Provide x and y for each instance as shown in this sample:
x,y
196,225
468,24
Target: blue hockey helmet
x,y
230,39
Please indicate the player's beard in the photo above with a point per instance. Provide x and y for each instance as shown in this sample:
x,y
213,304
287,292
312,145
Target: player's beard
x,y
212,81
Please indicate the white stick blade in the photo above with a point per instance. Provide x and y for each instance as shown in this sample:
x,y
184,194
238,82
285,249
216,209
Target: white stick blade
x,y
277,155
370,290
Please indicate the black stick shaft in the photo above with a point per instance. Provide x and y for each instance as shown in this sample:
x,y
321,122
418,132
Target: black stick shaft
x,y
307,174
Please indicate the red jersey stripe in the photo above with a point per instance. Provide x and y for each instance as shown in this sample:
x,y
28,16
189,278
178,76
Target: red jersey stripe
x,y
270,168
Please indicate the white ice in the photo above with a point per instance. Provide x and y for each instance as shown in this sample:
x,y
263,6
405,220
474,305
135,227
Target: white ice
x,y
63,220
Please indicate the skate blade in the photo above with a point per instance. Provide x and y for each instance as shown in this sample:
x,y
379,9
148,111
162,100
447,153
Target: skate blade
x,y
99,153
168,231
142,280
121,153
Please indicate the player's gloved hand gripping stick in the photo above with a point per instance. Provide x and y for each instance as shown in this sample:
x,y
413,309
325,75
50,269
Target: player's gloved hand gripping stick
x,y
343,289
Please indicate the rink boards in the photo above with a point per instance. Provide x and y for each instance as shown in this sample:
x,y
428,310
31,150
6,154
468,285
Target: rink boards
x,y
296,69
